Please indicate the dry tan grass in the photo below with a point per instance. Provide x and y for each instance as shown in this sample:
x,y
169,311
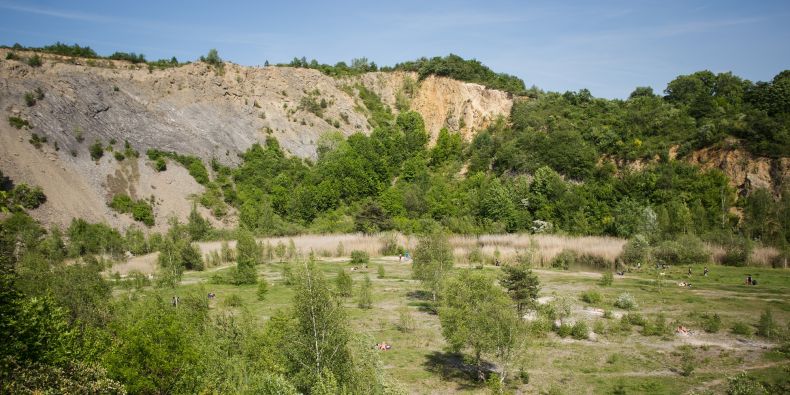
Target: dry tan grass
x,y
545,247
763,256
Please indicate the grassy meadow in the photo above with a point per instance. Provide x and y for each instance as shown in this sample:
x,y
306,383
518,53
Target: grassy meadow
x,y
620,355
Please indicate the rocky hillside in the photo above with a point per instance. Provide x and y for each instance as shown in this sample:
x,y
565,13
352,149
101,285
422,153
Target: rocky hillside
x,y
196,109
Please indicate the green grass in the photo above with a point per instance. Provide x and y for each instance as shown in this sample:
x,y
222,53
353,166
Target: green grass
x,y
637,363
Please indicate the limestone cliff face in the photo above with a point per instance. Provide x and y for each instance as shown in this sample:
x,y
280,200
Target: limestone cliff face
x,y
461,107
745,171
195,109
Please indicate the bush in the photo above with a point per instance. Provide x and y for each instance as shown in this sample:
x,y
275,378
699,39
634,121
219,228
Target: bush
x,y
119,156
28,197
687,361
233,300
599,327
767,327
564,330
212,58
625,301
143,212
160,164
18,122
606,279
263,289
343,283
380,271
743,384
406,321
686,249
96,150
658,327
580,331
34,61
636,251
359,257
591,297
634,319
711,323
737,252
564,260
30,99
390,245
122,203
741,328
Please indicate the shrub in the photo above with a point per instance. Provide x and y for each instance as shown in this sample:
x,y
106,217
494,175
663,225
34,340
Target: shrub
x,y
359,257
607,314
190,257
599,327
743,384
365,298
658,327
30,99
741,328
687,362
625,301
580,331
343,283
34,61
686,249
380,271
119,156
18,122
263,289
564,260
233,300
212,58
36,141
591,297
406,321
27,197
564,330
96,150
160,164
634,319
390,245
11,56
711,323
767,327
635,251
143,212
122,203
606,279
737,252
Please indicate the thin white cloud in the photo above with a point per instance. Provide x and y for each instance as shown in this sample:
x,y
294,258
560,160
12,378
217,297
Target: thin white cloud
x,y
79,16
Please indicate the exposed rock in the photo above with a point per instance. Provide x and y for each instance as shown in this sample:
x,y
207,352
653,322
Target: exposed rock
x,y
195,109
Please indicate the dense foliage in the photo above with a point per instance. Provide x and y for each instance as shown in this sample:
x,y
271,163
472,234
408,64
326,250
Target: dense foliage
x,y
458,68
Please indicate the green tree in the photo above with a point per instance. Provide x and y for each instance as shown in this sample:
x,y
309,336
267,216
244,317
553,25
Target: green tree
x,y
320,336
433,259
248,256
365,298
475,314
197,226
343,283
521,284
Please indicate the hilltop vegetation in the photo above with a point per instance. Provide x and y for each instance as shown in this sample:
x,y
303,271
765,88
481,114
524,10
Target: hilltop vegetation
x,y
553,169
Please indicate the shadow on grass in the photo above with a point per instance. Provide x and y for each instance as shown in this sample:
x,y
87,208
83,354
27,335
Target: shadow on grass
x,y
453,367
423,300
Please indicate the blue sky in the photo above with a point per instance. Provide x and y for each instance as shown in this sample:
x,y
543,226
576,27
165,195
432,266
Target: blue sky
x,y
609,47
